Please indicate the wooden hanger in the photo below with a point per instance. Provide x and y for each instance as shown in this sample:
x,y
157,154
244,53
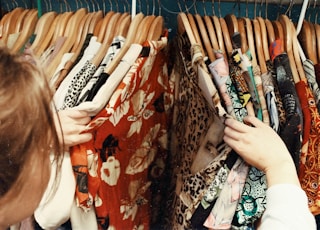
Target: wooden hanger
x,y
123,27
270,31
296,53
250,37
243,35
205,38
29,25
317,29
45,42
278,32
97,16
81,36
42,29
129,40
288,43
19,21
232,23
2,29
259,46
108,37
11,22
226,36
156,29
264,38
144,27
61,25
306,41
104,25
218,29
195,31
184,26
71,32
211,32
314,43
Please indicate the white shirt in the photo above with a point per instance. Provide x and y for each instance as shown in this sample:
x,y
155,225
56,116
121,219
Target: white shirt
x,y
287,209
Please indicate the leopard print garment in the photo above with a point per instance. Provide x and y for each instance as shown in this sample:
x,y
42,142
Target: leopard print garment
x,y
194,117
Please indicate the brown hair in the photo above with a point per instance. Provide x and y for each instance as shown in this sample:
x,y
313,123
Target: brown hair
x,y
26,119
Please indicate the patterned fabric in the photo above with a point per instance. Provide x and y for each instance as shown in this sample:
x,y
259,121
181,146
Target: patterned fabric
x,y
291,134
268,89
309,166
195,116
124,163
258,81
223,211
278,100
312,82
111,52
79,81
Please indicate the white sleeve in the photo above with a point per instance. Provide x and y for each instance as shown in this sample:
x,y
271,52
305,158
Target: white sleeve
x,y
287,209
55,209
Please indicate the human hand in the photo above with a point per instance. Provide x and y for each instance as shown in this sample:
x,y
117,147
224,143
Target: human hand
x,y
72,123
260,146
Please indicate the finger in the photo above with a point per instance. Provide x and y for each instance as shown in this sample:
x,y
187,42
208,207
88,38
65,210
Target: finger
x,y
253,121
76,113
237,125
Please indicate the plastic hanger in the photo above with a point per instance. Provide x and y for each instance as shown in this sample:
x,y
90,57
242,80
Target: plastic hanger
x,y
205,38
42,29
29,25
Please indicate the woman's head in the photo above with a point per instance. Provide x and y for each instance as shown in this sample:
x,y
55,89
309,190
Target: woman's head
x,y
27,134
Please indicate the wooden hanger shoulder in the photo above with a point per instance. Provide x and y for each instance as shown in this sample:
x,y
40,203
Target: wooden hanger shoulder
x,y
29,26
243,35
211,32
205,38
42,28
217,26
317,29
133,29
123,25
196,33
226,36
264,38
288,42
270,31
250,37
232,23
259,46
156,29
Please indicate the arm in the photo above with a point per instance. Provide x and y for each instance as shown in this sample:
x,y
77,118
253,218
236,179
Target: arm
x,y
260,146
